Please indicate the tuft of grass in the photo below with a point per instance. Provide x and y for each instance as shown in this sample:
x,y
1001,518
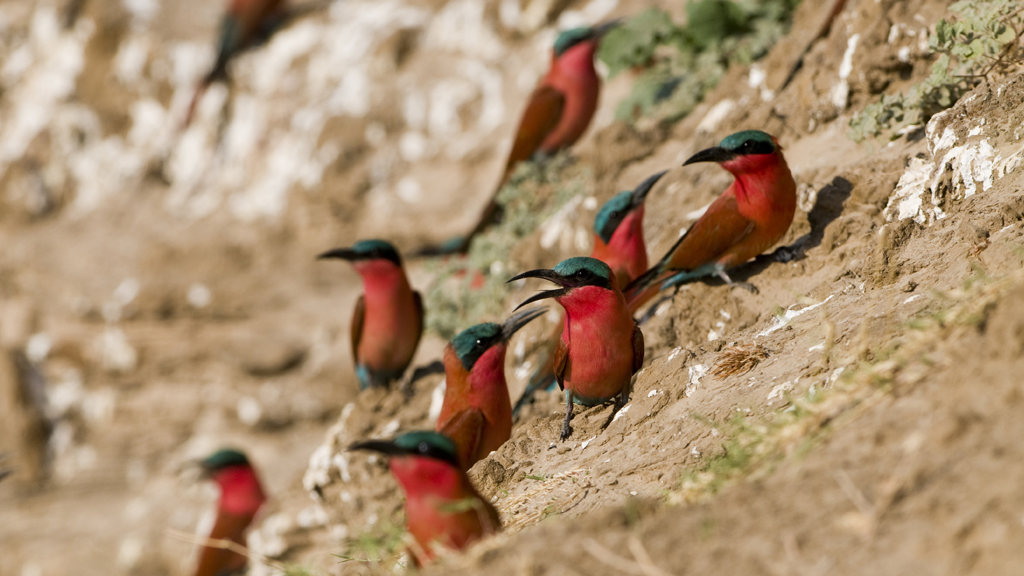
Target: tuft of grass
x,y
678,65
752,448
979,43
379,544
740,359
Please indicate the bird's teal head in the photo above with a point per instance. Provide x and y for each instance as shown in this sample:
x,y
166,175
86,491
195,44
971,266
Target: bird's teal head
x,y
470,344
432,445
222,459
745,143
473,342
615,210
612,214
570,274
569,38
366,250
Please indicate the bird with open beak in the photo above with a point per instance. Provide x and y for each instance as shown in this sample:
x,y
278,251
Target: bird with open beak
x,y
601,346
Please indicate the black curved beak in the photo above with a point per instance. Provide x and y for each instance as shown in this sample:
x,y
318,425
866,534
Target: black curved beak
x,y
380,446
341,253
601,29
516,321
543,273
640,194
549,275
544,295
716,154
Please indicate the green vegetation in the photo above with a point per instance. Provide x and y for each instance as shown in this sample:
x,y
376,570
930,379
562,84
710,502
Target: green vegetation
x,y
470,290
679,64
378,544
980,43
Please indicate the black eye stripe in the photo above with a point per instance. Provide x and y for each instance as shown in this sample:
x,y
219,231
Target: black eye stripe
x,y
756,147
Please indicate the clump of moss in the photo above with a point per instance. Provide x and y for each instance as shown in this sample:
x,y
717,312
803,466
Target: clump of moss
x,y
679,64
981,42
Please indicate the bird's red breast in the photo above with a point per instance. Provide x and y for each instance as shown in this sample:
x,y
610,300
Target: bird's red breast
x,y
483,389
598,334
241,498
392,324
626,252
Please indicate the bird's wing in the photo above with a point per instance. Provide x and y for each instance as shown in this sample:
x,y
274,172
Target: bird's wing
x,y
561,360
417,300
215,561
638,349
720,228
542,114
465,428
358,316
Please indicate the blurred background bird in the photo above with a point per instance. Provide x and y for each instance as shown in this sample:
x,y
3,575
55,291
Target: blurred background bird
x,y
751,215
442,508
556,116
619,243
601,346
388,320
240,499
477,412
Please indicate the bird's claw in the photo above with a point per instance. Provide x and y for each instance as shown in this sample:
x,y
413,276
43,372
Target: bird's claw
x,y
566,432
787,254
746,286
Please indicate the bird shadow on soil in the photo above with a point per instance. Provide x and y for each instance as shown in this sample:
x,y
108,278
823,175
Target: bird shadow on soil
x,y
827,207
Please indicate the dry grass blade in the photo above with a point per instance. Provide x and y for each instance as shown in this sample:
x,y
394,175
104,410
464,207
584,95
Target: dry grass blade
x,y
738,360
516,512
226,545
642,566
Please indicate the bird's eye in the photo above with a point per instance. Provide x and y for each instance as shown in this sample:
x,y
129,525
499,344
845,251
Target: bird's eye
x,y
581,274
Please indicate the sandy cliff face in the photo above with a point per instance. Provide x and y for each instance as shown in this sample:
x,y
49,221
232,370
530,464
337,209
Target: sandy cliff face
x,y
159,297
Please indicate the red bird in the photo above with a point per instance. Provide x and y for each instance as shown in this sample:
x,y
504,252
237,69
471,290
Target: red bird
x,y
601,346
246,24
388,321
557,114
748,218
477,413
240,498
442,508
619,243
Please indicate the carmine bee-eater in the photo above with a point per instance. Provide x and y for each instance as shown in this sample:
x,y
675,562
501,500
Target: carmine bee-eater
x,y
601,346
442,508
619,243
247,23
240,498
477,413
388,320
748,218
556,116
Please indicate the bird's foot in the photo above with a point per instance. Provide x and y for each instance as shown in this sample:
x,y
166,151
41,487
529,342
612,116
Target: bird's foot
x,y
566,428
786,254
566,431
745,285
